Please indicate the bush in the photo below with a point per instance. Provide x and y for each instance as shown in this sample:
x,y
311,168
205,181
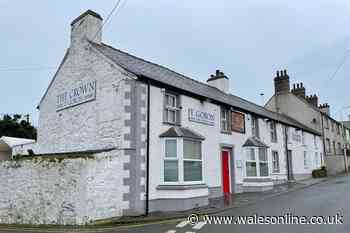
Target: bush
x,y
321,172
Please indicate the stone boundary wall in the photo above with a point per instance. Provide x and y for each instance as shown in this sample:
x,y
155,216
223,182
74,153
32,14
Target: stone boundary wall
x,y
65,190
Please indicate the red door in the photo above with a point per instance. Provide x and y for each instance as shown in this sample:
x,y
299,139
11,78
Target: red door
x,y
225,172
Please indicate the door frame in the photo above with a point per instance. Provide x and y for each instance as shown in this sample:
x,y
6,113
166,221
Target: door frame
x,y
229,148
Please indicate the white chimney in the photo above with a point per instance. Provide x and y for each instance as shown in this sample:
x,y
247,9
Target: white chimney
x,y
220,81
87,26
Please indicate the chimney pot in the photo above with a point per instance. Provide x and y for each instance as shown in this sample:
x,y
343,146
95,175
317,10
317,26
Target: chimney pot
x,y
277,73
285,72
217,72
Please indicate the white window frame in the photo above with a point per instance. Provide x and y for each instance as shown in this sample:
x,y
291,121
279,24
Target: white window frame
x,y
168,108
180,158
316,160
195,160
273,132
225,120
315,142
170,159
255,126
275,161
257,161
303,138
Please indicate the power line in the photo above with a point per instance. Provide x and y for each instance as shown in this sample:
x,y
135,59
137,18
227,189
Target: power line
x,y
340,65
108,18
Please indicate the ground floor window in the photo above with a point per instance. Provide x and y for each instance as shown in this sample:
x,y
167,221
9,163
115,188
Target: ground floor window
x,y
316,160
256,165
182,161
306,164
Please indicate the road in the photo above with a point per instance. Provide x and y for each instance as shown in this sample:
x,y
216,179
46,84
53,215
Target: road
x,y
324,199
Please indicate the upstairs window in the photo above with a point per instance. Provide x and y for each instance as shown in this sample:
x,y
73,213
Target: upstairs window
x,y
225,120
273,131
171,108
338,129
303,138
332,124
327,122
328,145
255,126
340,149
275,162
315,141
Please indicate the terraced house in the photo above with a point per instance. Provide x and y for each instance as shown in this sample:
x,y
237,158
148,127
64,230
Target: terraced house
x,y
306,109
139,137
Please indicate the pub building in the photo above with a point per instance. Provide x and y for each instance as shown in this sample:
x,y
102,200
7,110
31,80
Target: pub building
x,y
180,141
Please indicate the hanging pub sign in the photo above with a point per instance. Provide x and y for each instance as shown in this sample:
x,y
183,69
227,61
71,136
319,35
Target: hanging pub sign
x,y
238,122
202,117
76,95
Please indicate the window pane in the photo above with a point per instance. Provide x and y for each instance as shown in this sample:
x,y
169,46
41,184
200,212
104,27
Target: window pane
x,y
264,170
192,171
170,148
192,149
171,171
171,115
262,154
251,168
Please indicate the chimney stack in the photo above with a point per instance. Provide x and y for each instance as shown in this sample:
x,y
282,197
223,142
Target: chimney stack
x,y
281,82
220,81
299,90
325,108
86,26
313,100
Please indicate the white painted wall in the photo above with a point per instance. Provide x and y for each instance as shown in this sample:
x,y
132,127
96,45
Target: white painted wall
x,y
211,146
68,191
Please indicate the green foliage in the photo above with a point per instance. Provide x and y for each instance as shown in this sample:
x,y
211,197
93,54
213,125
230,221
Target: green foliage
x,y
321,172
15,127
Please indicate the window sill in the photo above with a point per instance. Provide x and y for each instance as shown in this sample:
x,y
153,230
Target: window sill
x,y
169,123
181,187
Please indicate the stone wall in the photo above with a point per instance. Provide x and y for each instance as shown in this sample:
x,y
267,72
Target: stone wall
x,y
63,190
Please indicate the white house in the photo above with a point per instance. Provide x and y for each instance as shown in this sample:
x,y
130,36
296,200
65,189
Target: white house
x,y
173,142
8,145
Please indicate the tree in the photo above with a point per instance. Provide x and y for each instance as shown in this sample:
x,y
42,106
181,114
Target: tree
x,y
15,126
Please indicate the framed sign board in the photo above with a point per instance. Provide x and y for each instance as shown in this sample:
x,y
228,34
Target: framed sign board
x,y
238,122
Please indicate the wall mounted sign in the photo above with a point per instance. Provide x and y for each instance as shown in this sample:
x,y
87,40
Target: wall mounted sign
x,y
77,95
238,122
202,117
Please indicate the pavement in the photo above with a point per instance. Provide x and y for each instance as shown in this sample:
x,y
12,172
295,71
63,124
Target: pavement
x,y
321,197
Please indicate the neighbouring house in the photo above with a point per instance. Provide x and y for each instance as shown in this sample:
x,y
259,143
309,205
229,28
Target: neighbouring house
x,y
296,104
165,142
7,145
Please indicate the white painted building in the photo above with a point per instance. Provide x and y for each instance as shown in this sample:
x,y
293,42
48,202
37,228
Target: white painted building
x,y
173,142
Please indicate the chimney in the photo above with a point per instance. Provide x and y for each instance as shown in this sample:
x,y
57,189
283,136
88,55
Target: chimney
x,y
220,81
281,82
313,100
299,90
87,26
325,108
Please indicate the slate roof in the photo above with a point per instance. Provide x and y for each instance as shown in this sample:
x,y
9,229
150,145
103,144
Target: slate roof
x,y
254,141
152,71
177,131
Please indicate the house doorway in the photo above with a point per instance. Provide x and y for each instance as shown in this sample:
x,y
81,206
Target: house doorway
x,y
226,173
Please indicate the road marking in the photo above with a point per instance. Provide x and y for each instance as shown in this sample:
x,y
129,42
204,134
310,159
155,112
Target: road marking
x,y
198,226
182,224
171,231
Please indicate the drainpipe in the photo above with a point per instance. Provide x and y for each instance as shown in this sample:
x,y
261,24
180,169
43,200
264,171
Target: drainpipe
x,y
147,156
289,173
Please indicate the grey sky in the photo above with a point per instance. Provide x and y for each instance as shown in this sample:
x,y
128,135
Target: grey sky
x,y
248,40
